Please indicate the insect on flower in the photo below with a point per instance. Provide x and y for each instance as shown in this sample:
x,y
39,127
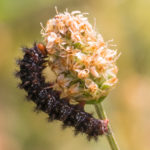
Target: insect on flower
x,y
85,69
48,100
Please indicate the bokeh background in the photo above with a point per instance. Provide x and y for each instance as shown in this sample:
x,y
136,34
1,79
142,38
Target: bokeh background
x,y
128,105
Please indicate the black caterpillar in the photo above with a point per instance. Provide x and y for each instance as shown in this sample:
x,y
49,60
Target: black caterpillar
x,y
48,100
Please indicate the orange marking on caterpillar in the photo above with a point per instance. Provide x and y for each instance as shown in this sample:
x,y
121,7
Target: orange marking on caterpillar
x,y
42,48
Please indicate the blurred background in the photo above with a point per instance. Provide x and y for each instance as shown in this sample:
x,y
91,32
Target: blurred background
x,y
128,105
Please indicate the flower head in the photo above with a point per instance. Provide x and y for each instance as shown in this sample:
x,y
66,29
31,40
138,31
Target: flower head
x,y
84,65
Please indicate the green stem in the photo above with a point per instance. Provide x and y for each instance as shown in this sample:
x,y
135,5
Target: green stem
x,y
110,136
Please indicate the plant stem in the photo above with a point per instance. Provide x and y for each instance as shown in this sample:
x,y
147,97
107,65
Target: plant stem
x,y
110,136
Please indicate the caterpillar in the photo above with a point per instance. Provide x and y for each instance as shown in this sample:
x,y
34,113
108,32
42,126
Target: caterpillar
x,y
48,100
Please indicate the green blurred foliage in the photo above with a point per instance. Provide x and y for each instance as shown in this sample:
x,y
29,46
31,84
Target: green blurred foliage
x,y
127,22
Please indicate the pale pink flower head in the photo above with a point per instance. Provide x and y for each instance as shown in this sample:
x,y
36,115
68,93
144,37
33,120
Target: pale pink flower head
x,y
84,65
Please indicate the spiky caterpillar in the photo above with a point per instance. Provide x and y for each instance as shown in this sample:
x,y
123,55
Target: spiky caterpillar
x,y
33,82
